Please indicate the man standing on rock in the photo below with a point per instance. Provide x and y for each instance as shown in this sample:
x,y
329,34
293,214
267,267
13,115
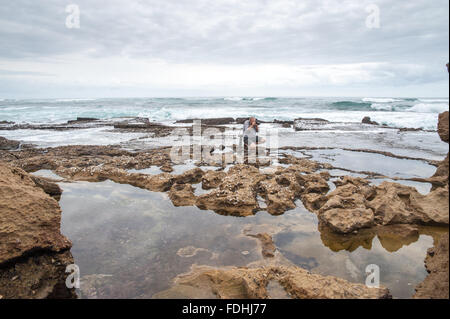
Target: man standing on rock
x,y
250,133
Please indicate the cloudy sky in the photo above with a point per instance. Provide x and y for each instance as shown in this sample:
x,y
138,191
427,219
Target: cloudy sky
x,y
223,48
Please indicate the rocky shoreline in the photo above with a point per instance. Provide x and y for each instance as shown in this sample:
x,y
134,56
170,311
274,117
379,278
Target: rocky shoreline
x,y
353,209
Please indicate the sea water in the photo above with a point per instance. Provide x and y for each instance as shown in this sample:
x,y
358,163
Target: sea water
x,y
399,112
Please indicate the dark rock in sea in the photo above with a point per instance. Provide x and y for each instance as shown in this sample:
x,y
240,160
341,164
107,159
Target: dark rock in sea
x,y
410,129
285,124
366,120
211,121
82,119
8,145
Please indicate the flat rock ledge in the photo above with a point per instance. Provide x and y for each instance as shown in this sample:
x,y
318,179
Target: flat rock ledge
x,y
251,283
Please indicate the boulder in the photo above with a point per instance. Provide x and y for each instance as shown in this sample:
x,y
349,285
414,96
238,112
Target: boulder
x,y
29,218
8,145
182,195
354,204
366,120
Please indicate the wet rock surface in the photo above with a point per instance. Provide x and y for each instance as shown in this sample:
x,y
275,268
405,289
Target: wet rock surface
x,y
443,126
33,253
435,285
350,216
38,276
354,204
30,219
251,283
6,144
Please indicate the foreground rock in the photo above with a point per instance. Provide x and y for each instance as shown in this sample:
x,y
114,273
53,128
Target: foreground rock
x,y
6,144
355,204
33,253
443,126
29,219
441,175
251,283
37,277
435,285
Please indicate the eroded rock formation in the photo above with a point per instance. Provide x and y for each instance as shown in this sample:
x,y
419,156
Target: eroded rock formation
x,y
355,204
251,283
33,253
6,144
435,285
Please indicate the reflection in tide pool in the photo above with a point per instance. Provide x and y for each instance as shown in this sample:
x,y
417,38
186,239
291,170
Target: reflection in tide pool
x,y
131,243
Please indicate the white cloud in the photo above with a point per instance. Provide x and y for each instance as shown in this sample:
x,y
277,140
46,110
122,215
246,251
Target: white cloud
x,y
224,45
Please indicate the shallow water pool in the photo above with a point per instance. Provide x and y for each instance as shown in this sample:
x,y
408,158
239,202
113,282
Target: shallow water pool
x,y
131,243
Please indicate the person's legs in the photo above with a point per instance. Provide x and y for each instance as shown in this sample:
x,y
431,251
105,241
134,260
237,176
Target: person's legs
x,y
260,140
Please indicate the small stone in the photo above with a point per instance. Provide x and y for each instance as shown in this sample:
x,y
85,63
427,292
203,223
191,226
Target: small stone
x,y
245,252
14,278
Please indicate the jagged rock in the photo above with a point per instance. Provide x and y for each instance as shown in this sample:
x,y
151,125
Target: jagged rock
x,y
182,195
236,195
48,187
443,126
435,285
192,176
36,277
29,219
354,204
212,179
347,220
399,204
167,168
251,283
280,193
366,120
6,144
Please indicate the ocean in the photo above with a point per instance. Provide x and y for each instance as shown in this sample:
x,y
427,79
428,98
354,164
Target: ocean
x,y
398,112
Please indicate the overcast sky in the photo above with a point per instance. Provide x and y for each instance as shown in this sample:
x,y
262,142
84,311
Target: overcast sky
x,y
224,47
